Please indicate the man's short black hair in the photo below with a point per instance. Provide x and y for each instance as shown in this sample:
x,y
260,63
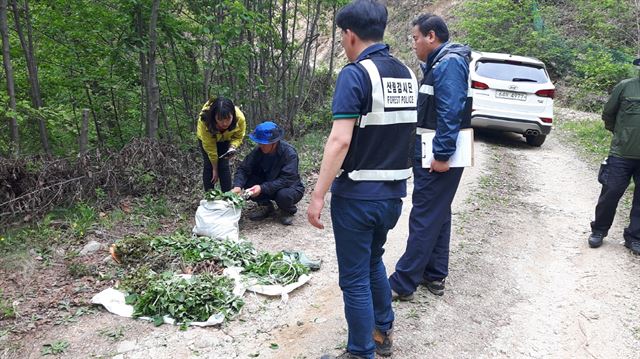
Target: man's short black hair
x,y
430,22
366,18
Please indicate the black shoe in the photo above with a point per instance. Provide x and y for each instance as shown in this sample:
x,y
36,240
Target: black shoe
x,y
286,218
401,297
262,212
435,286
595,239
384,342
634,246
345,355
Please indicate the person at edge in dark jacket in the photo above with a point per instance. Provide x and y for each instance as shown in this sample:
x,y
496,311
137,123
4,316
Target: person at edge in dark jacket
x,y
270,173
220,131
443,107
374,101
621,116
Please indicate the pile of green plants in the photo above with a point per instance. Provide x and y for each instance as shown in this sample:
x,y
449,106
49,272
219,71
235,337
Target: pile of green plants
x,y
141,250
275,268
217,195
186,300
193,250
158,292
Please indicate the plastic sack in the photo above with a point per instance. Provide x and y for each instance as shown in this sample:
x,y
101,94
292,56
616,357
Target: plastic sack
x,y
217,220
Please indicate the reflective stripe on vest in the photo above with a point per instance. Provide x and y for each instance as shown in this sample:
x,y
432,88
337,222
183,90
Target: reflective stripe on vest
x,y
426,89
380,175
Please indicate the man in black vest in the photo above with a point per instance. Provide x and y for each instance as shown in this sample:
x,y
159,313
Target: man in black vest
x,y
375,100
442,107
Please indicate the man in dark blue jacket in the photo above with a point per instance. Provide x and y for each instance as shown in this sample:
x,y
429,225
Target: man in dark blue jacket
x,y
270,173
442,107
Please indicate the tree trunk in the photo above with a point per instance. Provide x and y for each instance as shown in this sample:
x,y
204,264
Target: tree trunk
x,y
142,60
93,113
8,69
114,104
333,40
153,90
184,88
32,68
84,132
172,101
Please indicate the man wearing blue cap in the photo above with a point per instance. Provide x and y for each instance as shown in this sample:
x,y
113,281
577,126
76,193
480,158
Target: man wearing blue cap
x,y
270,173
621,116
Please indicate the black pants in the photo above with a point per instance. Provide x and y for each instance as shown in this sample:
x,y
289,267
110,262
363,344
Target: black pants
x,y
224,170
615,177
285,198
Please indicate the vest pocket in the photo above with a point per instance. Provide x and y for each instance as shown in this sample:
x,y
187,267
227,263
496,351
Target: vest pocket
x,y
630,142
631,105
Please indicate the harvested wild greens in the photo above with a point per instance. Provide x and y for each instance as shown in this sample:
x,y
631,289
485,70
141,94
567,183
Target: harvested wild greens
x,y
187,300
197,249
141,250
138,280
204,294
275,269
217,195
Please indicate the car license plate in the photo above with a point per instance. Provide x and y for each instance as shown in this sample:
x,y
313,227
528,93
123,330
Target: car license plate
x,y
510,95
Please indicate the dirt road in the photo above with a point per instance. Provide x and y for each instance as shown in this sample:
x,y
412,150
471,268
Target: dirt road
x,y
523,281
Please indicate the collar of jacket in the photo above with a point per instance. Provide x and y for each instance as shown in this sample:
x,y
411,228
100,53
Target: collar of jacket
x,y
434,56
371,50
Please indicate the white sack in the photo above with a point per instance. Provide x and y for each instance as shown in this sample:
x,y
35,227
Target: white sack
x,y
217,220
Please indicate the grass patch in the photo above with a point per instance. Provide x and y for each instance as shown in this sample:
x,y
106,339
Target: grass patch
x,y
7,311
593,140
55,348
114,334
590,136
310,148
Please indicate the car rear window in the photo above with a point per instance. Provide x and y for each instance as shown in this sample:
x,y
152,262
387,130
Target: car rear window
x,y
511,71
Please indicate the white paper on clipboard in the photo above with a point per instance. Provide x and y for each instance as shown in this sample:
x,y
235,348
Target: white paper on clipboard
x,y
463,157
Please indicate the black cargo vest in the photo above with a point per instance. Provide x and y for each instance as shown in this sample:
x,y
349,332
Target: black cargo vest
x,y
382,142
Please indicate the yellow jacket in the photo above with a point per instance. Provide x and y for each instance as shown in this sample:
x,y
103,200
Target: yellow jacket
x,y
210,140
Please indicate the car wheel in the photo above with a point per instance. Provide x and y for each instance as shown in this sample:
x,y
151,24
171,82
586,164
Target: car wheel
x,y
536,141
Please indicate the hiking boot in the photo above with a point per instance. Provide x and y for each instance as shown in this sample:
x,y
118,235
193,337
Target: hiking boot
x,y
345,355
634,246
595,239
262,212
286,218
435,286
401,297
384,342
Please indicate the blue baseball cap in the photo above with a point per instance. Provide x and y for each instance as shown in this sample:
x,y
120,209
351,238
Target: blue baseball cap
x,y
637,62
266,133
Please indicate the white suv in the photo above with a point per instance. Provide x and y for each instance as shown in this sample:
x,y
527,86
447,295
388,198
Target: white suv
x,y
511,94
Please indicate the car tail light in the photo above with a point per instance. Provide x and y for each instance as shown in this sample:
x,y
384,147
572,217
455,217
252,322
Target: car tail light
x,y
546,93
479,85
546,119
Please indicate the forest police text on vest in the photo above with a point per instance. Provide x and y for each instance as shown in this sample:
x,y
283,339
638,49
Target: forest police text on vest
x,y
399,92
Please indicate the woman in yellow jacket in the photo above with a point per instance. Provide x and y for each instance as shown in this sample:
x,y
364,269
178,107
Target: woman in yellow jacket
x,y
221,129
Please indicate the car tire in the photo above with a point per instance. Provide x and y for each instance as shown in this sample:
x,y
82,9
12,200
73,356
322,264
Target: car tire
x,y
536,141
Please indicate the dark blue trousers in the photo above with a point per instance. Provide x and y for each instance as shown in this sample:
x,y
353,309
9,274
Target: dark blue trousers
x,y
224,170
360,228
427,254
615,177
285,198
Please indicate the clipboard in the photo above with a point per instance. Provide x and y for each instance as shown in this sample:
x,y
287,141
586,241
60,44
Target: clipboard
x,y
463,157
